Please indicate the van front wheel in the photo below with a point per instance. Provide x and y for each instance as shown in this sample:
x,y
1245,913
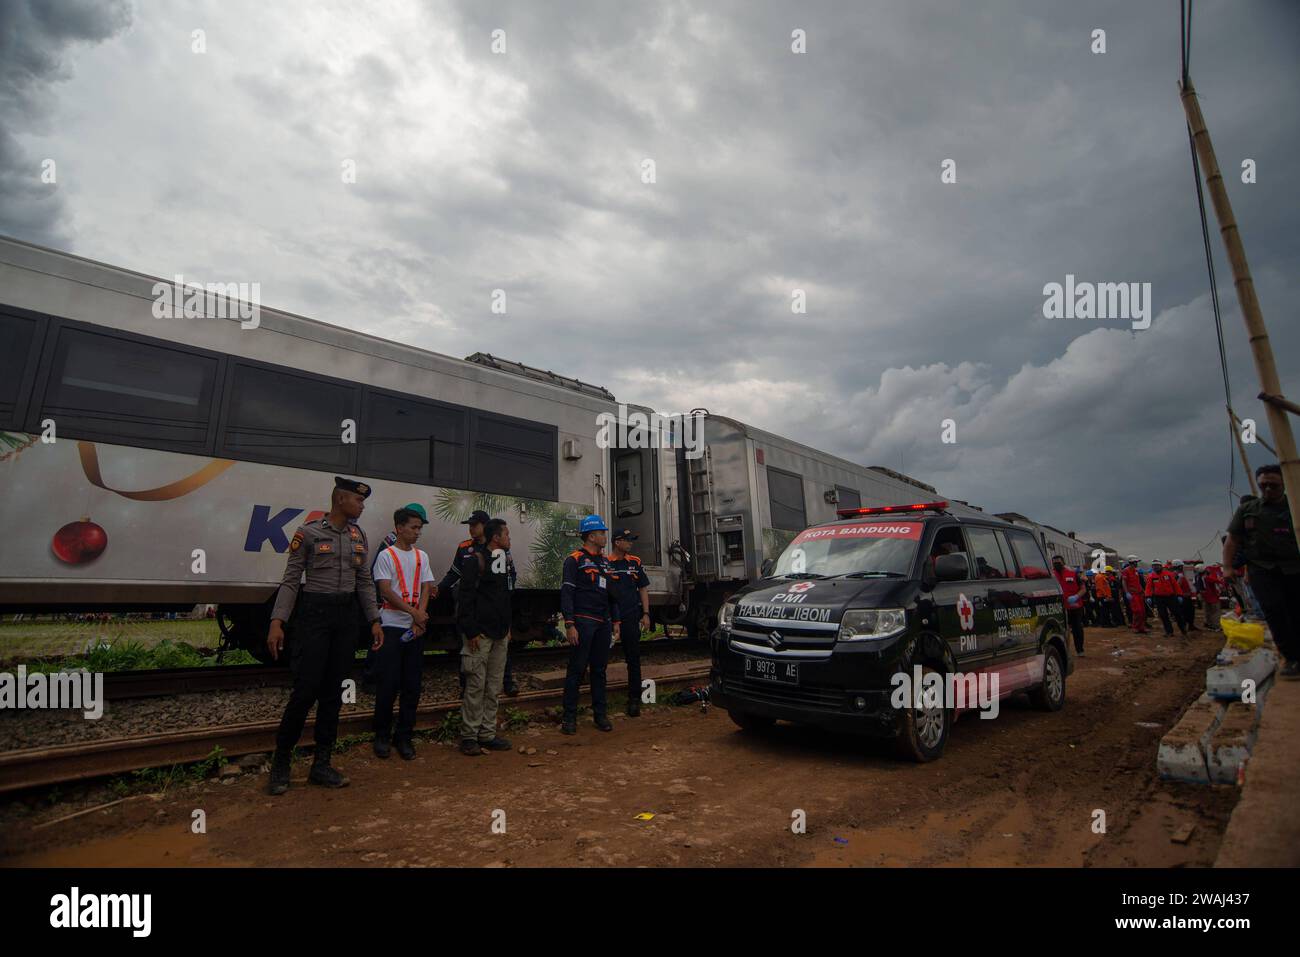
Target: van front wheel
x,y
1050,695
923,730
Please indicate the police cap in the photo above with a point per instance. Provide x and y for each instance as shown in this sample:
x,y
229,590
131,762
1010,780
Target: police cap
x,y
351,485
477,517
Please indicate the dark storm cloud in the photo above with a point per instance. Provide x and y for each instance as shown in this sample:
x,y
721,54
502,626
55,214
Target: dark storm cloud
x,y
35,37
775,171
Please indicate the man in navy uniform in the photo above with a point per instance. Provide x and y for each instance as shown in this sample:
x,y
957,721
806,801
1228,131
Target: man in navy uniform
x,y
632,592
589,608
329,559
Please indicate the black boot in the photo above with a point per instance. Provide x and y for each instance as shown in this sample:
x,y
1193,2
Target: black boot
x,y
321,773
382,747
279,782
603,724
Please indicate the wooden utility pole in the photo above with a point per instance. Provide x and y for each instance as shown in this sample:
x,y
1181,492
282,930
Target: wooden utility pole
x,y
1278,423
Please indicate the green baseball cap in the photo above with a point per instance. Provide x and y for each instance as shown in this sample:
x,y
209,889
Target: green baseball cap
x,y
418,509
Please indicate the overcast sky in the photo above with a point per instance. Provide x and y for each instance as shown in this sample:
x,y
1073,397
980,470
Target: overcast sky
x,y
775,171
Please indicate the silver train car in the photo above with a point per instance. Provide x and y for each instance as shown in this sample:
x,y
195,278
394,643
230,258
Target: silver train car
x,y
155,461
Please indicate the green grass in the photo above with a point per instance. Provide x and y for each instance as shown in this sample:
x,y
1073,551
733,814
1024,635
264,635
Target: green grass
x,y
133,655
160,779
22,641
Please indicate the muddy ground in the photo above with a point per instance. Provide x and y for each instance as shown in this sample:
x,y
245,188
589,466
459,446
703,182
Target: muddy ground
x,y
1021,790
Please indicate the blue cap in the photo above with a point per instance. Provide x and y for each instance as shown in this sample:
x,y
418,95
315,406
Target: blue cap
x,y
592,523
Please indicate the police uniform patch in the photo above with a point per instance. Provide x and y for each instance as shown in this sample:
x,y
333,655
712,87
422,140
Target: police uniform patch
x,y
296,543
324,548
359,549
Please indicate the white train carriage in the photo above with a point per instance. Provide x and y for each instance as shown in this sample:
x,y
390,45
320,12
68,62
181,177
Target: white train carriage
x,y
163,462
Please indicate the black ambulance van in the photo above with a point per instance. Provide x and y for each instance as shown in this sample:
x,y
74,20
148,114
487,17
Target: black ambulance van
x,y
862,618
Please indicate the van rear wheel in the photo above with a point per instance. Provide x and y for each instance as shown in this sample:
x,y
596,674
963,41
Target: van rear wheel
x,y
753,723
1050,695
923,731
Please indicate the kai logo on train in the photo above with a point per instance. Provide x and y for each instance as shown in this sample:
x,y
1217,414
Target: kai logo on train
x,y
263,527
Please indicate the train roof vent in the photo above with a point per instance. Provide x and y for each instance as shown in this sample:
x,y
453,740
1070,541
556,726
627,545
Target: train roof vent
x,y
902,478
540,375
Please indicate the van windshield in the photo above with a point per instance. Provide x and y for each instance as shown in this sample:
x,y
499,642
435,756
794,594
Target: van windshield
x,y
858,548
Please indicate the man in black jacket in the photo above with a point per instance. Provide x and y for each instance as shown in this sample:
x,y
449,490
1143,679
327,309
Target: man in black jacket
x,y
483,614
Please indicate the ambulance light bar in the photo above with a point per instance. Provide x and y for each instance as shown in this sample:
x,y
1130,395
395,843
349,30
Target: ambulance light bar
x,y
893,509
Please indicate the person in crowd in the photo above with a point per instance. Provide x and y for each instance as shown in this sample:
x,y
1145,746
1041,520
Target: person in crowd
x,y
405,583
1162,589
1212,595
483,614
1073,591
1262,530
590,612
329,564
1135,593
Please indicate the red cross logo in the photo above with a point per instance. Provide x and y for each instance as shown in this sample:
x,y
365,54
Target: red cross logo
x,y
966,612
801,587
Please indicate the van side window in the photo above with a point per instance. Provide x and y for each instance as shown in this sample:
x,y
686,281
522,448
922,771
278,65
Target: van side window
x,y
989,562
947,541
1028,553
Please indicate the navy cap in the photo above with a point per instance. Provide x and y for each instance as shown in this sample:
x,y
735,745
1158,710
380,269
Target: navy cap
x,y
351,485
626,533
478,516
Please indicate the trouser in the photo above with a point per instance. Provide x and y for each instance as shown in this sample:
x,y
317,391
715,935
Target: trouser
x,y
591,650
630,635
507,676
1212,615
398,667
1125,609
1103,613
1186,612
1076,627
1167,607
324,641
484,671
1279,594
1138,609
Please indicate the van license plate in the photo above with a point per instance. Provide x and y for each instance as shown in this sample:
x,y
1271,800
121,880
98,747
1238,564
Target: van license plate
x,y
765,669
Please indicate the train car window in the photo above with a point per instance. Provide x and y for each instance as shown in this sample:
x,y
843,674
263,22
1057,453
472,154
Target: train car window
x,y
628,484
277,416
413,441
785,497
514,457
1028,554
848,497
118,389
17,367
989,562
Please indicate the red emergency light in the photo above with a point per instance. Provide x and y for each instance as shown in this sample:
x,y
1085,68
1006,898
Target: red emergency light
x,y
892,509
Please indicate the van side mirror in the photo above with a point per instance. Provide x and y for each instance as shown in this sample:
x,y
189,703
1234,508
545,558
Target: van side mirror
x,y
951,568
768,565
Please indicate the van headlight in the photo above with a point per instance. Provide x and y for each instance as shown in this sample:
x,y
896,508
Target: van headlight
x,y
726,614
872,624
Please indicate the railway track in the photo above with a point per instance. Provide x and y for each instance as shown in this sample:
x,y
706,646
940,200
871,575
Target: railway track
x,y
161,682
42,767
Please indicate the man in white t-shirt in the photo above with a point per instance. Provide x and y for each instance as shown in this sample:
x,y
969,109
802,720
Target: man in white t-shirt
x,y
405,583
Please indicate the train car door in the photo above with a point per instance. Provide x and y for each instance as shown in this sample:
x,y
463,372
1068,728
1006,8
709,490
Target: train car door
x,y
635,500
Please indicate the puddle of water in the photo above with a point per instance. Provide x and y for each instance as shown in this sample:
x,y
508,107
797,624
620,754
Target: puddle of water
x,y
148,847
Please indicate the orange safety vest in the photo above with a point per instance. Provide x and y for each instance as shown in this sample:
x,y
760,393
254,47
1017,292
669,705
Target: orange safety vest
x,y
401,578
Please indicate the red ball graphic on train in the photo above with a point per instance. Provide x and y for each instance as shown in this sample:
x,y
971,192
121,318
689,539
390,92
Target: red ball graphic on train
x,y
79,542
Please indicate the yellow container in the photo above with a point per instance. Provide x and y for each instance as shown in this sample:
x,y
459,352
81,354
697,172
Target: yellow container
x,y
1242,634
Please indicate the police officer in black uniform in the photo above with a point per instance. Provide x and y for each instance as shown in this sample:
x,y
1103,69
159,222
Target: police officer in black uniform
x,y
589,608
632,593
330,559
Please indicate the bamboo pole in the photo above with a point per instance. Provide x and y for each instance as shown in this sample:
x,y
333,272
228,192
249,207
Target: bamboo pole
x,y
1258,440
1265,367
